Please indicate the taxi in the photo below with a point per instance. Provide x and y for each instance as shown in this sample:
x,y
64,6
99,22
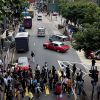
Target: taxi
x,y
56,46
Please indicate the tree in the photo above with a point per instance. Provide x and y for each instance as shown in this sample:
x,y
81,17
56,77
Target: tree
x,y
79,12
88,38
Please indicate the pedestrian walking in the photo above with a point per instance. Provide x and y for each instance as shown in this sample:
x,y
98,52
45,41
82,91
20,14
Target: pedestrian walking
x,y
74,69
32,56
81,74
93,62
67,72
64,83
80,87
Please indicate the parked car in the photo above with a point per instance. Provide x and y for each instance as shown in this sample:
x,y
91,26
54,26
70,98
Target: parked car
x,y
92,54
56,46
21,28
23,64
22,42
59,37
55,13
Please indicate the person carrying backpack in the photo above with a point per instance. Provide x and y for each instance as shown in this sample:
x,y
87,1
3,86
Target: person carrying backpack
x,y
58,89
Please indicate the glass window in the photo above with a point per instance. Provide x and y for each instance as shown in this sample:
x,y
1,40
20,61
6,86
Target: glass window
x,y
55,44
62,44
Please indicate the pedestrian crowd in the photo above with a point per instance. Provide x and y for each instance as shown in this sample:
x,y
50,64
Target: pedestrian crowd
x,y
13,83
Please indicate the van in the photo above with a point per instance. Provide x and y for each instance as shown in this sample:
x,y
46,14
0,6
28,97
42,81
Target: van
x,y
22,41
41,31
59,37
27,23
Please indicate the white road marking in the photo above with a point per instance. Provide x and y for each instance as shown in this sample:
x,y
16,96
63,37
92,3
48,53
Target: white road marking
x,y
72,65
87,67
75,96
34,44
61,63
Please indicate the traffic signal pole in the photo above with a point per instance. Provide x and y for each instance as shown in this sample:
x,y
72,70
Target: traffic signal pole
x,y
92,92
94,75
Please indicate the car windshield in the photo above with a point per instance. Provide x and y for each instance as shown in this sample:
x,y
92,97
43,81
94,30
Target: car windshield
x,y
62,44
41,30
39,16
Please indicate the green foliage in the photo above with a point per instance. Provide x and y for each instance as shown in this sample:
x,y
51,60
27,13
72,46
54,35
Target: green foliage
x,y
86,14
14,8
88,38
79,12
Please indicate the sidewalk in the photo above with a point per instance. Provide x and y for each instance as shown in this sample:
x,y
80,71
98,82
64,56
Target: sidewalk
x,y
7,56
87,61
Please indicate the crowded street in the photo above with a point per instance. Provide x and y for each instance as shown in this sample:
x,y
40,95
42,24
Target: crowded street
x,y
42,72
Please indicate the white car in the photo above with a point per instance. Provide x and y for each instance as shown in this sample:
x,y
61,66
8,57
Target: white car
x,y
39,17
41,31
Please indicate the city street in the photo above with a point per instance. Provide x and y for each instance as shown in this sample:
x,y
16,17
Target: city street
x,y
41,54
50,49
51,57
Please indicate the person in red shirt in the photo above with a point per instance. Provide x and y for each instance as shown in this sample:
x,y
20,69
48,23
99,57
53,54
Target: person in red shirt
x,y
58,89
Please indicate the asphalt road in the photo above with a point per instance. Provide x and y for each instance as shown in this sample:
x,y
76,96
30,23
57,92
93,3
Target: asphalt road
x,y
42,55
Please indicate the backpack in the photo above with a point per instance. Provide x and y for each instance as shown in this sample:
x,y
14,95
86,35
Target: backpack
x,y
58,89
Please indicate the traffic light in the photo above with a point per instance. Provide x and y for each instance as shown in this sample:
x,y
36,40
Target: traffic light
x,y
96,75
91,73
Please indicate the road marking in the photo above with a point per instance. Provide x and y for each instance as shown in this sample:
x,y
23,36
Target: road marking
x,y
77,67
61,62
34,44
75,96
88,67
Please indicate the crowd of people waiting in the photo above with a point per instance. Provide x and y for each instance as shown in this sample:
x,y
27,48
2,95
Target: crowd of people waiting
x,y
14,83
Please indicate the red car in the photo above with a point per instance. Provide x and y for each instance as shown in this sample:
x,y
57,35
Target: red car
x,y
56,46
23,64
92,54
